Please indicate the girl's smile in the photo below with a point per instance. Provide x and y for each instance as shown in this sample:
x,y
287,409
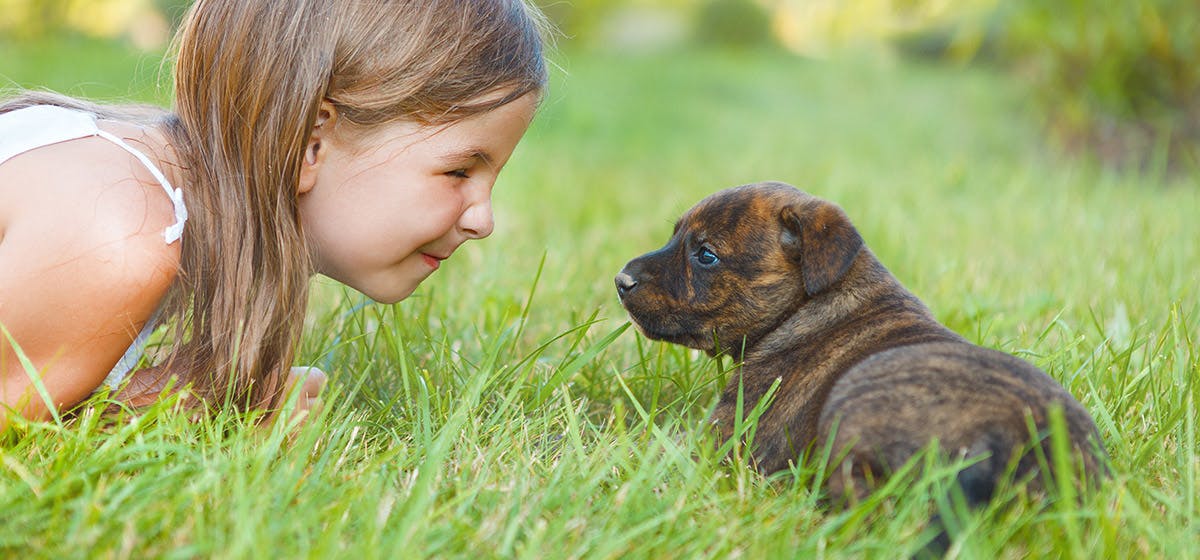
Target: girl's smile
x,y
432,261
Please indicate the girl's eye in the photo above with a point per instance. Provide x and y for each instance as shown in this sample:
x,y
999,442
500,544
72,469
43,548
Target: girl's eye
x,y
706,257
459,173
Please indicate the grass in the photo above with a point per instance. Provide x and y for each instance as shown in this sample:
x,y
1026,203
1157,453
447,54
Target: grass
x,y
505,410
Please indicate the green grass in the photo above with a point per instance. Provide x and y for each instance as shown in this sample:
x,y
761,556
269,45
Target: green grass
x,y
506,411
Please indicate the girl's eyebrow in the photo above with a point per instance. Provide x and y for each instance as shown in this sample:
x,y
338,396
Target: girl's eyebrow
x,y
467,154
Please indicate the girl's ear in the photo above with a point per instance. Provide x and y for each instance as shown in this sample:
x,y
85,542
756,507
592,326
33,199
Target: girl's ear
x,y
314,153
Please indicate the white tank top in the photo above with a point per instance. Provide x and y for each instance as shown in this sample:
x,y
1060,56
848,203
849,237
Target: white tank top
x,y
42,125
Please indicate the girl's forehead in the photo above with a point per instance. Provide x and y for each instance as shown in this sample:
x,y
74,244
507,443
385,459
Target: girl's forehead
x,y
486,136
514,114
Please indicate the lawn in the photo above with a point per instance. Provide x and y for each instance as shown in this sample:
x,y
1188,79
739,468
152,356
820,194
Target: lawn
x,y
506,410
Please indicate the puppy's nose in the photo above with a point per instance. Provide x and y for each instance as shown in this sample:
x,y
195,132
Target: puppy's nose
x,y
625,284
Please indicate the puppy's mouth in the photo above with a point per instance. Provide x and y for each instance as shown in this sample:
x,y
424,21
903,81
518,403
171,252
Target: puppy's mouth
x,y
670,331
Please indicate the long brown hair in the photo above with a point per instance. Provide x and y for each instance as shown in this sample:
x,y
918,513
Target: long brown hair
x,y
249,79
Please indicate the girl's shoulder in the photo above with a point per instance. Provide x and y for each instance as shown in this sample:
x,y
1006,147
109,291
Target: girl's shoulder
x,y
93,190
89,196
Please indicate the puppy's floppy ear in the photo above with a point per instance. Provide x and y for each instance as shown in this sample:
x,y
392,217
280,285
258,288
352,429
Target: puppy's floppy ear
x,y
819,236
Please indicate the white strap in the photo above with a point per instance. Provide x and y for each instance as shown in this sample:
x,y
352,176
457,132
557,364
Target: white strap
x,y
132,354
173,231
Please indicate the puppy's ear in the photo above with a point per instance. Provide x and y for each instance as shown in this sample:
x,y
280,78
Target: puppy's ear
x,y
819,236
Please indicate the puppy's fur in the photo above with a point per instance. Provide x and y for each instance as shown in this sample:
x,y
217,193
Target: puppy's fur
x,y
781,281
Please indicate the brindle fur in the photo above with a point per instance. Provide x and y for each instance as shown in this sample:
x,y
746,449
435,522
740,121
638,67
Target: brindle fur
x,y
796,296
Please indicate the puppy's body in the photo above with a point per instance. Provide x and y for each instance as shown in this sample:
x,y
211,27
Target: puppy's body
x,y
781,281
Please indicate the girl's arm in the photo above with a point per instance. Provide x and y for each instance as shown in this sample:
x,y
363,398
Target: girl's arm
x,y
83,265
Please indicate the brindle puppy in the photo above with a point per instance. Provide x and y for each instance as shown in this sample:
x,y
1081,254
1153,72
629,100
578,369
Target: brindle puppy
x,y
781,281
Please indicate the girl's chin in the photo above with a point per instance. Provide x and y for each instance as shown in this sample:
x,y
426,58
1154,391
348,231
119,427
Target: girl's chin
x,y
393,285
389,296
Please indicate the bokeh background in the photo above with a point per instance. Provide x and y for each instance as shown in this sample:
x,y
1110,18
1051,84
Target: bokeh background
x,y
1120,82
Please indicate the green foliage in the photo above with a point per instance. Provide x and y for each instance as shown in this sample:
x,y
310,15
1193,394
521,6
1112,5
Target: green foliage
x,y
82,66
505,411
738,23
576,20
174,10
586,23
34,19
1121,80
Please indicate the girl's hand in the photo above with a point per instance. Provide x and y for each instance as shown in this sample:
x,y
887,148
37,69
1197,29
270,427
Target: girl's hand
x,y
147,385
311,381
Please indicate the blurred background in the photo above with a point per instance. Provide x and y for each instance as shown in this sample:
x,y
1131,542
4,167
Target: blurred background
x,y
1119,81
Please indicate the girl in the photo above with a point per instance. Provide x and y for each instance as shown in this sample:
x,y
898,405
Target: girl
x,y
359,139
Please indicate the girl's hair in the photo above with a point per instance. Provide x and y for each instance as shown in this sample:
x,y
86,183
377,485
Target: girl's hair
x,y
250,76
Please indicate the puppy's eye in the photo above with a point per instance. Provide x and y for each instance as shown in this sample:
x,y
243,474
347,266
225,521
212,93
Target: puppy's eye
x,y
706,257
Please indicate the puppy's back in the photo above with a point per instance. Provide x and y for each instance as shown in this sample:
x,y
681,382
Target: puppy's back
x,y
973,401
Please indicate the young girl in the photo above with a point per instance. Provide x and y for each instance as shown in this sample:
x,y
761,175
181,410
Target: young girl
x,y
359,139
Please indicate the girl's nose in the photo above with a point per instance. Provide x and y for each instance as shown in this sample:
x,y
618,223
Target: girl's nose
x,y
477,221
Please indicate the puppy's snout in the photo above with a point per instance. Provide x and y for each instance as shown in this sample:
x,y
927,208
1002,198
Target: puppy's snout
x,y
625,283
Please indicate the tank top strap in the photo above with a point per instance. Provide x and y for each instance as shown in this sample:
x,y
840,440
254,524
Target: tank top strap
x,y
175,230
42,125
132,355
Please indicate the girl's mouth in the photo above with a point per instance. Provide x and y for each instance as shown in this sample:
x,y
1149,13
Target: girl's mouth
x,y
432,261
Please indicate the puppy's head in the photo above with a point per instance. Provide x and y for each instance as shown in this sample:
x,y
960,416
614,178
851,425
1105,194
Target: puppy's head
x,y
739,263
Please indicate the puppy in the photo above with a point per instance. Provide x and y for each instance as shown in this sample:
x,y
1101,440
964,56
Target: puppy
x,y
781,281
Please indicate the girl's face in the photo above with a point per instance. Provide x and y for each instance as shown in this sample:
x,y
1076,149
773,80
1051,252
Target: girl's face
x,y
380,219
